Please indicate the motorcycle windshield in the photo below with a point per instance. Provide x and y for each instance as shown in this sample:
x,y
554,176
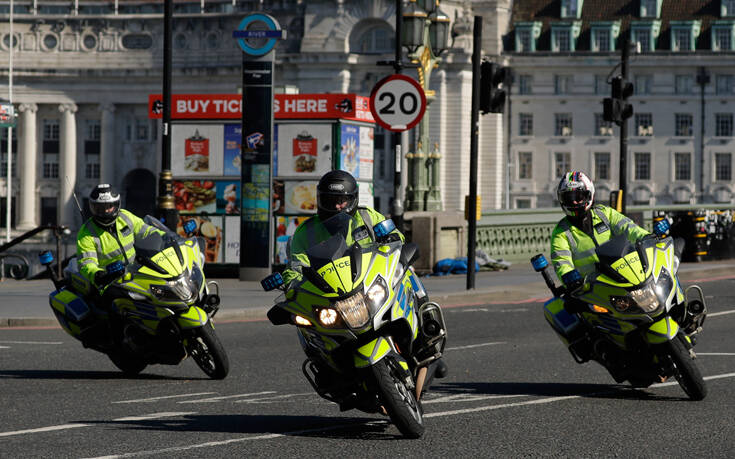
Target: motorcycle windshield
x,y
161,255
620,261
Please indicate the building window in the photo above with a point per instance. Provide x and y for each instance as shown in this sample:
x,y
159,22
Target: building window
x,y
727,8
562,163
571,8
682,166
563,84
48,211
563,124
4,165
92,167
601,40
562,40
525,165
602,127
642,84
644,124
723,124
525,124
601,86
725,84
525,83
683,84
602,166
50,165
376,40
723,167
526,34
722,37
141,129
523,203
682,40
683,124
642,166
92,139
643,38
650,8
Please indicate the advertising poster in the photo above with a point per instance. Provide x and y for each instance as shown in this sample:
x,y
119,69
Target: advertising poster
x,y
304,150
285,229
196,149
300,197
210,229
367,194
279,191
232,239
195,196
365,153
228,197
255,202
232,159
349,159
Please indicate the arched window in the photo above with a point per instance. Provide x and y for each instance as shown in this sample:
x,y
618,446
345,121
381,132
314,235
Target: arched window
x,y
374,39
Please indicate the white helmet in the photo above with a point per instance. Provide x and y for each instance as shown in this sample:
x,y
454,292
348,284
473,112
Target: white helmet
x,y
575,193
104,204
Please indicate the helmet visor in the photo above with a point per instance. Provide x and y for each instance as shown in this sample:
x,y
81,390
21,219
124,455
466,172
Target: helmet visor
x,y
105,211
574,199
336,202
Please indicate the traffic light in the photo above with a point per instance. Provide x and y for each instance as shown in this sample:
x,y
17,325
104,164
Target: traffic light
x,y
616,108
492,97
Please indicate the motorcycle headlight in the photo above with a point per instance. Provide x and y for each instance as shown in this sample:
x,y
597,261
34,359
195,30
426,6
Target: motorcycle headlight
x,y
328,317
646,299
174,290
354,310
622,303
377,293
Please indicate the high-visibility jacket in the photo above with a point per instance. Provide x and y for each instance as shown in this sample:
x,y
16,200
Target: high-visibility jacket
x,y
312,232
572,248
97,247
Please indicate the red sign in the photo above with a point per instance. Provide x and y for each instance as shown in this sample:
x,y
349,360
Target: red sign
x,y
285,106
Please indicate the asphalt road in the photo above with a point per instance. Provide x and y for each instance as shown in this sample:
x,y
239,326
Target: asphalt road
x,y
513,391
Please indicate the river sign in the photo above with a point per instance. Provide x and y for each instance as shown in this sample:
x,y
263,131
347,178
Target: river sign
x,y
398,102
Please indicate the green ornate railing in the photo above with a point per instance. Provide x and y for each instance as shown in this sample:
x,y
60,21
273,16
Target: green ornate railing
x,y
517,235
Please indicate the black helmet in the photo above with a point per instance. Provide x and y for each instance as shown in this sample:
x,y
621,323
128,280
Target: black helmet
x,y
336,192
104,204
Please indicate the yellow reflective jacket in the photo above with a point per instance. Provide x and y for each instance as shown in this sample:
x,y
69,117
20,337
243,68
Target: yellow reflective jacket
x,y
312,232
97,247
572,248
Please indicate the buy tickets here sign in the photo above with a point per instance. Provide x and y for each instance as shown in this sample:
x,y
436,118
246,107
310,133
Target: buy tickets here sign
x,y
285,106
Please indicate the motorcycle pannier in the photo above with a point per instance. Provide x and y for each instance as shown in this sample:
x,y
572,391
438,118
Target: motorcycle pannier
x,y
70,309
563,323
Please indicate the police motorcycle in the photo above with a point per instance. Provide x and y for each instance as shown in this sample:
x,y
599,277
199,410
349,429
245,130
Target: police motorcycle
x,y
156,310
632,315
371,337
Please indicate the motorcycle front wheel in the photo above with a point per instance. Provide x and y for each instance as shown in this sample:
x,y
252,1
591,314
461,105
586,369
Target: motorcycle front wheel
x,y
207,351
398,400
685,369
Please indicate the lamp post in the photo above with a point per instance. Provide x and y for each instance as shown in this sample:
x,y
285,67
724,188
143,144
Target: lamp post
x,y
425,34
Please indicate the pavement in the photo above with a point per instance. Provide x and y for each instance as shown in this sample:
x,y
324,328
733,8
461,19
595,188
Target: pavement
x,y
25,303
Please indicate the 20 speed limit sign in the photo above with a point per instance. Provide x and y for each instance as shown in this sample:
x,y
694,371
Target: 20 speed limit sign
x,y
397,102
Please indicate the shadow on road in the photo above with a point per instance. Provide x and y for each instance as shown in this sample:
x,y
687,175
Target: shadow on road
x,y
81,375
293,426
606,391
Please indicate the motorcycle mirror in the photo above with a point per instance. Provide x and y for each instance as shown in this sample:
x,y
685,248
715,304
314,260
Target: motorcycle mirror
x,y
539,262
189,227
46,257
272,282
384,228
115,267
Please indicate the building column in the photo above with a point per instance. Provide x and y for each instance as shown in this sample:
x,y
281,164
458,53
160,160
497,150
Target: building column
x,y
28,200
67,164
107,144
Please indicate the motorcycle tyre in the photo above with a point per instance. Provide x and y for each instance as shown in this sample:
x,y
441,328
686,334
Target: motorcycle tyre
x,y
207,351
398,400
686,371
128,362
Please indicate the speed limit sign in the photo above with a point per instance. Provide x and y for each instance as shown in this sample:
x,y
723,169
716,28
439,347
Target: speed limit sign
x,y
397,102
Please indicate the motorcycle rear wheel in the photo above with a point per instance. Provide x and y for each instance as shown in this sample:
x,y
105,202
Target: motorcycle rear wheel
x,y
207,351
128,362
685,369
398,400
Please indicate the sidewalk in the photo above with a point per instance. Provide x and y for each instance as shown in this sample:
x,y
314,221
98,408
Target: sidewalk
x,y
25,303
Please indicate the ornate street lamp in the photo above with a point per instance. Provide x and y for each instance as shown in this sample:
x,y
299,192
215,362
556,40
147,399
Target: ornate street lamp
x,y
438,32
414,21
428,5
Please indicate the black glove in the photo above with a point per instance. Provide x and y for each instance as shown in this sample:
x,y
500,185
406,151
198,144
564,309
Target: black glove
x,y
102,278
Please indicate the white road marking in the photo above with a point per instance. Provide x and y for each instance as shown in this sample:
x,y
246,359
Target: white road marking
x,y
467,398
155,399
341,426
32,342
225,397
471,346
706,378
721,313
275,397
474,310
715,353
145,417
4,347
43,429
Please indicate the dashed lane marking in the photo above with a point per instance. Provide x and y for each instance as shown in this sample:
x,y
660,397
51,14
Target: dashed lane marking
x,y
32,342
721,313
471,346
145,417
155,399
225,397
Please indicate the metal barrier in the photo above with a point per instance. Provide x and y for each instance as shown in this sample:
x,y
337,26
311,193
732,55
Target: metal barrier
x,y
21,267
